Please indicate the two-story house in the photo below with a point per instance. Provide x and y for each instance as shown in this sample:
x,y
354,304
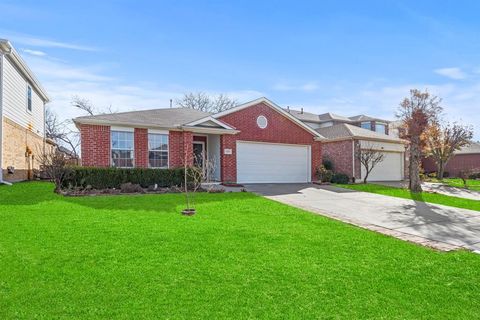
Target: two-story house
x,y
22,111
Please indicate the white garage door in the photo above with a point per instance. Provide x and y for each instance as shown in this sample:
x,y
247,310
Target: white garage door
x,y
390,169
272,163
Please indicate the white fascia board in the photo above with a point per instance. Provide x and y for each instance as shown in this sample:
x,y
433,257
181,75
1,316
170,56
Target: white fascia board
x,y
275,107
208,130
209,118
10,51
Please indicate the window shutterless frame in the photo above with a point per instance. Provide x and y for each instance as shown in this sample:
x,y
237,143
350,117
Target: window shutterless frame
x,y
122,148
29,98
158,150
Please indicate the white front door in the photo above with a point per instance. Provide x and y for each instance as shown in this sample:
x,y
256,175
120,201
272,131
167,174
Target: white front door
x,y
272,163
390,169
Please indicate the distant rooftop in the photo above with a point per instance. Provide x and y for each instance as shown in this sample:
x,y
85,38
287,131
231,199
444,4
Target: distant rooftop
x,y
326,117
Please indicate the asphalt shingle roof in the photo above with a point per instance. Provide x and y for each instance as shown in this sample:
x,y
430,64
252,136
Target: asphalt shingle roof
x,y
344,130
167,118
474,147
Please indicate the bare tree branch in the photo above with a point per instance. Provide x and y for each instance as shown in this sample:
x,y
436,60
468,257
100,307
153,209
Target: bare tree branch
x,y
369,158
84,105
203,102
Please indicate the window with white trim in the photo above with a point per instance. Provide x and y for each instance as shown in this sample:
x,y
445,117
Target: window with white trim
x,y
29,98
122,149
157,150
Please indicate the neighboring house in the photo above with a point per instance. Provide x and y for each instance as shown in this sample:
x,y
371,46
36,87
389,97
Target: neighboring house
x,y
466,158
22,110
256,142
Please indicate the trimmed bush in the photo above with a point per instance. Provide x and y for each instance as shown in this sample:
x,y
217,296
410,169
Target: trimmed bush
x,y
328,164
340,178
105,178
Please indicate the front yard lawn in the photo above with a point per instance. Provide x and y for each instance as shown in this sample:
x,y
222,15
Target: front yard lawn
x,y
455,182
422,196
241,256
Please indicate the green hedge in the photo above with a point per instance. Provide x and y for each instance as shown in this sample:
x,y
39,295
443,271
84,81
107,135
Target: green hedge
x,y
103,178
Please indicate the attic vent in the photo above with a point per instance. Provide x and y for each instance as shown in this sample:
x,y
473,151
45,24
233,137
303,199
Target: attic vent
x,y
262,122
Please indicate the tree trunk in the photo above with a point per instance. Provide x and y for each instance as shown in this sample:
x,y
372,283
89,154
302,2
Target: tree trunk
x,y
441,171
415,184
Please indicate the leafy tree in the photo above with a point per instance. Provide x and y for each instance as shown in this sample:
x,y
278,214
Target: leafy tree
x,y
443,140
417,113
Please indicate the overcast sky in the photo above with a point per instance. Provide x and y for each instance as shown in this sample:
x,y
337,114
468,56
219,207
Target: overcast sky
x,y
345,57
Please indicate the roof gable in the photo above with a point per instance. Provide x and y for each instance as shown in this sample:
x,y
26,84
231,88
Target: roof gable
x,y
275,107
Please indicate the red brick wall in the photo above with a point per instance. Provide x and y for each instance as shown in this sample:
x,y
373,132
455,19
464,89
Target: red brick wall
x,y
455,165
280,129
340,153
141,147
95,145
180,142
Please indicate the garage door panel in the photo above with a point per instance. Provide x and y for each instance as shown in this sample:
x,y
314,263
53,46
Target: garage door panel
x,y
266,162
390,169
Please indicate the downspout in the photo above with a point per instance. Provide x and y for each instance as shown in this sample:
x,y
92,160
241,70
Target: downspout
x,y
1,120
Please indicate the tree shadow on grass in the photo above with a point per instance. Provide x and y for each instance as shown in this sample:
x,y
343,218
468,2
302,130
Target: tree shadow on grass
x,y
154,202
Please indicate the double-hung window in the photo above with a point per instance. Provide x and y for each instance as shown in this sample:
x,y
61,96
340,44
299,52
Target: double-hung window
x,y
122,149
157,150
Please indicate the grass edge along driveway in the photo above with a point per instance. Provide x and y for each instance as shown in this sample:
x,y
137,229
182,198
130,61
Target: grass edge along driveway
x,y
241,256
435,198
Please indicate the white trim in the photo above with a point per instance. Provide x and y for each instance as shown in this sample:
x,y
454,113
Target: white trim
x,y
261,118
1,116
209,118
155,131
274,107
204,152
124,129
206,130
148,148
7,48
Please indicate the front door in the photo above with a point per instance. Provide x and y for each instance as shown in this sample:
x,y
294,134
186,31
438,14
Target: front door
x,y
199,154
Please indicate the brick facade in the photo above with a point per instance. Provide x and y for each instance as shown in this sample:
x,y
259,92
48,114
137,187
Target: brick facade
x,y
280,129
179,143
455,165
16,141
95,145
141,147
341,155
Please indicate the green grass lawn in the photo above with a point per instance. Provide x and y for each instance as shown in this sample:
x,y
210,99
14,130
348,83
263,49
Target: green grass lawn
x,y
422,196
455,182
241,256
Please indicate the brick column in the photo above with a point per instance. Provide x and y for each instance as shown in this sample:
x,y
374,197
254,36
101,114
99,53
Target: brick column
x,y
228,161
95,145
140,137
180,142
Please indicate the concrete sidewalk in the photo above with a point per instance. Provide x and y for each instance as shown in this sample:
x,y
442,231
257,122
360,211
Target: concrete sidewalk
x,y
441,227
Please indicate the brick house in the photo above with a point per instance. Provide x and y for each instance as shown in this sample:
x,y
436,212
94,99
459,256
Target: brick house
x,y
22,117
466,158
256,142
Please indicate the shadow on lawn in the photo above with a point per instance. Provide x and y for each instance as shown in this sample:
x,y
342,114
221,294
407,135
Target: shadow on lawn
x,y
154,202
32,193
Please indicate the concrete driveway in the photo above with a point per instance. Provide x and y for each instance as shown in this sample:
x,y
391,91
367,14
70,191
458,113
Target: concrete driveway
x,y
441,227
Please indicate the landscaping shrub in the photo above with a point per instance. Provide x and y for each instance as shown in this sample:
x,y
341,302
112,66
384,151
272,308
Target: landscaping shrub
x,y
340,178
475,175
323,174
328,164
104,178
